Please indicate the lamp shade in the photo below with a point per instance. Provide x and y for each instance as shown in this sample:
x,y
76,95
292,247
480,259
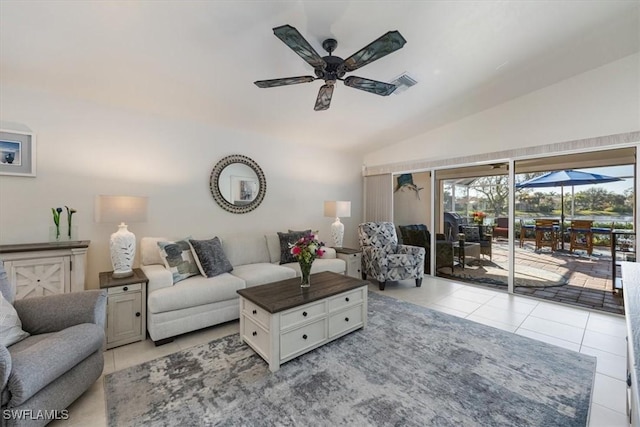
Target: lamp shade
x,y
337,209
121,209
122,244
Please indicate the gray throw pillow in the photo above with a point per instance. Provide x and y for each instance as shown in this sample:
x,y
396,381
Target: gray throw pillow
x,y
178,259
286,239
10,325
210,257
5,287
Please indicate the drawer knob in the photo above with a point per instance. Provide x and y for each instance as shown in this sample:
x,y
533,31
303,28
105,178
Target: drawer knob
x,y
125,289
347,299
304,314
138,314
304,337
346,319
254,333
255,311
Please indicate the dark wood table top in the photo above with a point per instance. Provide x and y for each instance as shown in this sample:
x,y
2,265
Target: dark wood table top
x,y
45,246
285,294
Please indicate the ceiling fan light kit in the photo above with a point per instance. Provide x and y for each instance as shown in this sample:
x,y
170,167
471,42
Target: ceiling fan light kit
x,y
331,68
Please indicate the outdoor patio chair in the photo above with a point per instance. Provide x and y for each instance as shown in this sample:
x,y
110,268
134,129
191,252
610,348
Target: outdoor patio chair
x,y
581,236
444,252
547,233
472,234
502,228
523,231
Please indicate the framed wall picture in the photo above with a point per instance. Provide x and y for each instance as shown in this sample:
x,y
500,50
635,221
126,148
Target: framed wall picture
x,y
17,153
243,189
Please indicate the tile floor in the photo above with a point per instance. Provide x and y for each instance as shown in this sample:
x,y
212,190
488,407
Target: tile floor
x,y
596,333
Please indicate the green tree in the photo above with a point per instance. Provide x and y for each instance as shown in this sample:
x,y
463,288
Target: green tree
x,y
496,192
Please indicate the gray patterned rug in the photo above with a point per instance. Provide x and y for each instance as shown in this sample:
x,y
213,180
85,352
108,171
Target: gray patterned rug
x,y
411,366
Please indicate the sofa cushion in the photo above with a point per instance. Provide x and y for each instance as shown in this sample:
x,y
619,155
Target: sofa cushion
x,y
287,239
262,273
210,257
245,249
35,366
149,250
5,286
10,325
178,259
194,291
335,265
5,369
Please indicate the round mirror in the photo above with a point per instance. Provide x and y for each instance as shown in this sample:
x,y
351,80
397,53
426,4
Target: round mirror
x,y
237,184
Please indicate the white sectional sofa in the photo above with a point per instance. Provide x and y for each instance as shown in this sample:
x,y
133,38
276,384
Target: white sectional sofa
x,y
198,302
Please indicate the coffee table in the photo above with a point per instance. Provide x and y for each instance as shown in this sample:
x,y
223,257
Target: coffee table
x,y
282,321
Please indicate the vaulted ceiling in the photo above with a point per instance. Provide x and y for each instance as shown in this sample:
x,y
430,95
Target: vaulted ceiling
x,y
197,60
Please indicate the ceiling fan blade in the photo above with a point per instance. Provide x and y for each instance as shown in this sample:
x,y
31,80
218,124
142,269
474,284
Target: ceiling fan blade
x,y
324,98
384,45
373,86
292,38
284,82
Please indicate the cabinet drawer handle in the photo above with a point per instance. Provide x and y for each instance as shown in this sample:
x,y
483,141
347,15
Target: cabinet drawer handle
x,y
347,299
125,288
138,314
254,333
304,337
628,380
346,319
255,311
304,314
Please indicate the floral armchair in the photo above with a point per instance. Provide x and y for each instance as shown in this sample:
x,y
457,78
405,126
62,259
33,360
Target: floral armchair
x,y
384,259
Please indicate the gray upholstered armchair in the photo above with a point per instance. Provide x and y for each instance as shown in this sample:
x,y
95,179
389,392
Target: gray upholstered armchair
x,y
59,360
384,259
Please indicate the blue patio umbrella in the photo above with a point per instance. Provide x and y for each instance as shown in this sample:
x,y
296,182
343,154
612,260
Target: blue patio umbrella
x,y
564,178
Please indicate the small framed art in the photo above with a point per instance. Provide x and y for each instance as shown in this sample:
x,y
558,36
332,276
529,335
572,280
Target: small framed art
x,y
17,153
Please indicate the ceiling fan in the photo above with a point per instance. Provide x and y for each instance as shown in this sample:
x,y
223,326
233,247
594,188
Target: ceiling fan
x,y
331,68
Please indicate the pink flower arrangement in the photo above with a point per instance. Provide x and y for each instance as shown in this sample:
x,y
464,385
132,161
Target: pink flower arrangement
x,y
307,248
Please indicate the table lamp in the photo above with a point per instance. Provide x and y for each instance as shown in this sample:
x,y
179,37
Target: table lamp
x,y
337,209
123,242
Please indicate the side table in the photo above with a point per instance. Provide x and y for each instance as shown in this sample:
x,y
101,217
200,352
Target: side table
x,y
126,307
353,258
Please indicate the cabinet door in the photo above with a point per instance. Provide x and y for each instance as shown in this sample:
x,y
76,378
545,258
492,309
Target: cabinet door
x,y
39,277
124,318
354,262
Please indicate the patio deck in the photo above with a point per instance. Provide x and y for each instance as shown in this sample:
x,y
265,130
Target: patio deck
x,y
587,278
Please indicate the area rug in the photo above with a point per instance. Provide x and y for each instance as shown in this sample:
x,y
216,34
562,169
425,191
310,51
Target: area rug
x,y
485,271
411,366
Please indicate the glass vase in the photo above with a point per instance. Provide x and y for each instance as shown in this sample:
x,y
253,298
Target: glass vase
x,y
305,276
55,233
71,234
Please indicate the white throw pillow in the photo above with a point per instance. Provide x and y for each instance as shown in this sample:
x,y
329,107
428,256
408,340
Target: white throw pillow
x,y
10,325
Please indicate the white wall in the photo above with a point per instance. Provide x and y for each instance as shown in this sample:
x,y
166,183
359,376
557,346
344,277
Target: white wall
x,y
603,101
86,149
409,207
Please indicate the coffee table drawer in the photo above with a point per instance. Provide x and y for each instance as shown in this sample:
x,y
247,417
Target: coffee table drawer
x,y
300,340
255,335
302,314
256,313
346,299
345,320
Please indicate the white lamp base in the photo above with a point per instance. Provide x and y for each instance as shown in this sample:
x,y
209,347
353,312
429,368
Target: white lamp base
x,y
123,250
337,233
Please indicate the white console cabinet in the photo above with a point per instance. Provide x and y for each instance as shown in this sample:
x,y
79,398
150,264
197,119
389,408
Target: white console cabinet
x,y
39,269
